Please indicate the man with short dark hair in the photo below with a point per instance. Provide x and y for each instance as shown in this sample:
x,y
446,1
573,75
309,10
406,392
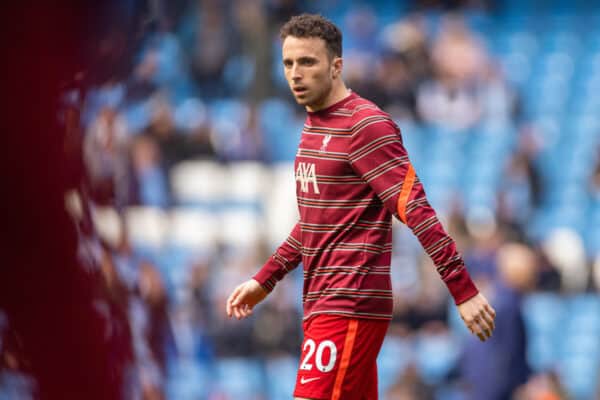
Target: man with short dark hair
x,y
353,174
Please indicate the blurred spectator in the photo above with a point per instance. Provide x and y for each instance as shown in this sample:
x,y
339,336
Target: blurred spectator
x,y
495,371
397,87
405,65
279,11
595,179
521,192
543,386
564,249
150,177
429,303
596,274
140,85
106,157
408,40
500,102
460,62
485,238
441,103
211,47
16,380
254,57
549,278
283,315
458,54
410,386
163,131
241,141
138,288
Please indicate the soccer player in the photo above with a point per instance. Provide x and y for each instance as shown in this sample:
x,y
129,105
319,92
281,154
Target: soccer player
x,y
353,174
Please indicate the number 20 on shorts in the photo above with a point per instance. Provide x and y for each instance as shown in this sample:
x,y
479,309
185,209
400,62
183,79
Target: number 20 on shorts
x,y
311,346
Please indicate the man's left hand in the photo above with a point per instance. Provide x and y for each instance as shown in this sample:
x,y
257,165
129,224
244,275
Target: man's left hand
x,y
478,315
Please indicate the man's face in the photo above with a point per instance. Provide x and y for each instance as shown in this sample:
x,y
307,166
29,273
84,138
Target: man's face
x,y
308,70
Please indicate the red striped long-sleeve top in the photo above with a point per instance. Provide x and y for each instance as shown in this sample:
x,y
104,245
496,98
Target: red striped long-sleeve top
x,y
352,175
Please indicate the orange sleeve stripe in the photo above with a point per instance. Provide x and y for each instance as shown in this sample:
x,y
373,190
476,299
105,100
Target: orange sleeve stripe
x,y
346,354
407,186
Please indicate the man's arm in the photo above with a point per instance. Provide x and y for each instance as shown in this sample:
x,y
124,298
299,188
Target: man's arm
x,y
378,155
287,257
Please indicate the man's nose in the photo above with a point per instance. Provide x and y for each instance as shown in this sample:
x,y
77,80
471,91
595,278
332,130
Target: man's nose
x,y
296,75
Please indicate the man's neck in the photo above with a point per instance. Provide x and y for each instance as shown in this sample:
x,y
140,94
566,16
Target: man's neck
x,y
339,91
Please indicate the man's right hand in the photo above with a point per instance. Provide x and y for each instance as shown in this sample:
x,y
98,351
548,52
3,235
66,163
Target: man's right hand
x,y
243,299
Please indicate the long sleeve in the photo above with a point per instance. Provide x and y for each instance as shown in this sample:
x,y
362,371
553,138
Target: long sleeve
x,y
286,258
379,157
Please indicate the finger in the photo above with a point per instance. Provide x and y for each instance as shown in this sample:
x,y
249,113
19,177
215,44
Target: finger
x,y
483,322
485,327
248,310
490,311
244,310
487,333
485,330
236,312
477,331
489,320
231,299
239,298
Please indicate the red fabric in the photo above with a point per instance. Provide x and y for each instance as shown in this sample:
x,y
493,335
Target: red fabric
x,y
350,169
358,380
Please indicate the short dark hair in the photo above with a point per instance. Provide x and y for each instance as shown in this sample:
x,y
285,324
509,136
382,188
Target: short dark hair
x,y
314,25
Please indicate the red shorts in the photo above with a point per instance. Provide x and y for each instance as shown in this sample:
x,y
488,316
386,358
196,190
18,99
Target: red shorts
x,y
339,358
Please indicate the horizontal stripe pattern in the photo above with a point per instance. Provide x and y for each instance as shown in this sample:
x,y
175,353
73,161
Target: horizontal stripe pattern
x,y
353,153
347,292
366,247
330,228
344,204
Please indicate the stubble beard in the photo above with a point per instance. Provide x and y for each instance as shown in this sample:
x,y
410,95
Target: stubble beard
x,y
316,99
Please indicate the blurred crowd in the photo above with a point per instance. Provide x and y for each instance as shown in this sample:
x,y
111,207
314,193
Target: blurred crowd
x,y
188,137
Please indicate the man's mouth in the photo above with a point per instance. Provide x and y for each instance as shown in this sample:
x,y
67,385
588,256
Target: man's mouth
x,y
299,89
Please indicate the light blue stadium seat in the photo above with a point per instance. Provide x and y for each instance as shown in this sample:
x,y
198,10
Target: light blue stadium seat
x,y
592,238
275,114
188,380
100,97
281,376
396,353
585,306
517,67
137,116
543,314
239,378
230,109
579,376
239,73
412,139
436,356
175,263
561,40
282,141
189,114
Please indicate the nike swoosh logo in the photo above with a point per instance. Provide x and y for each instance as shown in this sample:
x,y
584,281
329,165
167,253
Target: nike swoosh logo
x,y
303,381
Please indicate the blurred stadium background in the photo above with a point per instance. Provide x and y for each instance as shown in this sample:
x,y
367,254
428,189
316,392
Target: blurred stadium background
x,y
188,134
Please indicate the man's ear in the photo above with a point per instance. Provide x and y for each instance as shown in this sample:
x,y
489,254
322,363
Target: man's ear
x,y
336,67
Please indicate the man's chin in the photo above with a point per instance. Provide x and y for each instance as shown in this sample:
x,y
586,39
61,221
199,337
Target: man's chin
x,y
302,101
